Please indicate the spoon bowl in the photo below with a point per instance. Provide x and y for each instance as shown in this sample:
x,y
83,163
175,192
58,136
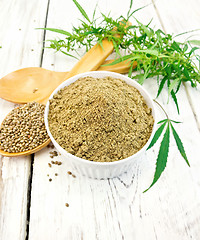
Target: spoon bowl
x,y
25,153
36,84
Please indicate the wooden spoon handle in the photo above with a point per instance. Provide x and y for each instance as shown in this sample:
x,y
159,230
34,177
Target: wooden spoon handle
x,y
92,59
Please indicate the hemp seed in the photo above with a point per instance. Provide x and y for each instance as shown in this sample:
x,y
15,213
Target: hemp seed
x,y
23,129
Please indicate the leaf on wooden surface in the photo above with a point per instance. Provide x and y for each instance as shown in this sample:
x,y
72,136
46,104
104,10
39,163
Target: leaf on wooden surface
x,y
69,54
179,144
175,121
193,50
162,83
82,11
173,84
56,30
131,4
162,156
131,14
156,53
94,12
162,121
175,100
157,134
194,42
194,30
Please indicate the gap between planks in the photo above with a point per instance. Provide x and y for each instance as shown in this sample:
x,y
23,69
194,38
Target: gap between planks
x,y
44,33
29,190
185,87
159,17
29,196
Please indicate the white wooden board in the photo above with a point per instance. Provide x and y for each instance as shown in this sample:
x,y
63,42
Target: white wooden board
x,y
107,209
21,47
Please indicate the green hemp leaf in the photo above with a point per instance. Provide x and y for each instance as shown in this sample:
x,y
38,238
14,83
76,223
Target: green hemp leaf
x,y
164,147
157,54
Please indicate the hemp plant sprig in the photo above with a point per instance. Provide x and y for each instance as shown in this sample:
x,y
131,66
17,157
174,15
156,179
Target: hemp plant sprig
x,y
157,55
161,161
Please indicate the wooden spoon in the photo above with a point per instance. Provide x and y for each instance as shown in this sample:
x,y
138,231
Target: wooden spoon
x,y
7,154
122,67
35,83
90,61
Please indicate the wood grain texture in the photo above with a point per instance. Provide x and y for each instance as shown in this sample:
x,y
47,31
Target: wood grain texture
x,y
113,209
117,208
178,18
21,47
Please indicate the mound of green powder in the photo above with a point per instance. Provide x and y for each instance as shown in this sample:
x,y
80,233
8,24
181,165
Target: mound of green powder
x,y
100,119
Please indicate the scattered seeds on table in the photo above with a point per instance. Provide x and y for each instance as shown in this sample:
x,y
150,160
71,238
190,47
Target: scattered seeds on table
x,y
74,176
49,164
53,154
67,204
50,145
23,129
50,179
70,173
56,174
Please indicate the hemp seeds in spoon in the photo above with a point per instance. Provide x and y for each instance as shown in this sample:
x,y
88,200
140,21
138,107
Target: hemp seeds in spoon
x,y
23,129
100,119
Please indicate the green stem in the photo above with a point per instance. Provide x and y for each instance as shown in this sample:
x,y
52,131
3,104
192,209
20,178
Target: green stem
x,y
161,108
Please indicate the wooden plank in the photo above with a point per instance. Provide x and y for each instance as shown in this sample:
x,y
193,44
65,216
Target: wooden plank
x,y
106,209
21,47
117,208
178,18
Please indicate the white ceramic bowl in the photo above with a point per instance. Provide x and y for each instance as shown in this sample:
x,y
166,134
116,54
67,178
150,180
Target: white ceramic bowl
x,y
101,170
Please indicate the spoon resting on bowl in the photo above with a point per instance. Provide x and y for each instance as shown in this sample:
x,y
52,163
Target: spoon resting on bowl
x,y
89,62
37,84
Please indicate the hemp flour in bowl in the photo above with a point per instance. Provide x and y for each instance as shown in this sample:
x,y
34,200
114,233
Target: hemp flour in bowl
x,y
101,121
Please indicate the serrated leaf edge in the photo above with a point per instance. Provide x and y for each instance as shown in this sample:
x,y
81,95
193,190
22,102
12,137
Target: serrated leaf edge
x,y
163,154
157,135
179,144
